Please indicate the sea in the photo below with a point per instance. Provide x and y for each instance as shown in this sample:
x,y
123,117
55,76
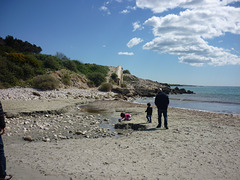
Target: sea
x,y
220,99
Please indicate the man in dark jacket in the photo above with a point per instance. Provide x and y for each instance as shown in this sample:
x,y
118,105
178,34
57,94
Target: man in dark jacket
x,y
3,174
162,102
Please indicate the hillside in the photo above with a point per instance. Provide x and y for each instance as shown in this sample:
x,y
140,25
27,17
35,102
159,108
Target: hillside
x,y
22,65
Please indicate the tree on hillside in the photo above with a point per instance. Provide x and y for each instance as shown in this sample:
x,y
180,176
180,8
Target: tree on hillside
x,y
21,46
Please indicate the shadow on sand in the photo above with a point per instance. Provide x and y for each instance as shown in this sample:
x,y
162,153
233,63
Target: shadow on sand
x,y
136,127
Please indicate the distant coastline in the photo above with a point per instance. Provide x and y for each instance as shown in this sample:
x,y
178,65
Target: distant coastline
x,y
184,85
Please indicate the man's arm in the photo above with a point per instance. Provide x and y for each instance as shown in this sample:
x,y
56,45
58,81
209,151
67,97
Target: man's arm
x,y
156,101
2,121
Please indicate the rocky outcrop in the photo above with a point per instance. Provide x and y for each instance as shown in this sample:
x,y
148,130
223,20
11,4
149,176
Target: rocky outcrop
x,y
145,88
176,90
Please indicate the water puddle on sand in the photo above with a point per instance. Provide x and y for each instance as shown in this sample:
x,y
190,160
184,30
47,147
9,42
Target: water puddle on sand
x,y
110,121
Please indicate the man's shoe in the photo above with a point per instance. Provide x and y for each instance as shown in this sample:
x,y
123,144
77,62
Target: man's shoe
x,y
166,127
158,126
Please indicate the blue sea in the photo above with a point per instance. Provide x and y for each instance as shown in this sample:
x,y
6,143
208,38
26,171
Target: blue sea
x,y
221,99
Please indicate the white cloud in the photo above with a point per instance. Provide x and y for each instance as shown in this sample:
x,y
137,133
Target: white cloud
x,y
136,26
125,11
186,34
132,7
158,6
104,8
126,53
128,9
133,42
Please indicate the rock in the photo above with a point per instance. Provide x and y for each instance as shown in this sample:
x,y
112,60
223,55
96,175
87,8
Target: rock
x,y
28,138
46,139
123,91
145,87
80,132
36,94
62,137
11,115
176,90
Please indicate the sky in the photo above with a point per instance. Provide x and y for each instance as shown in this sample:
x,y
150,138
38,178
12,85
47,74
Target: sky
x,y
191,42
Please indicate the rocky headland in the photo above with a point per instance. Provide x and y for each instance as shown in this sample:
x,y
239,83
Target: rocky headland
x,y
146,88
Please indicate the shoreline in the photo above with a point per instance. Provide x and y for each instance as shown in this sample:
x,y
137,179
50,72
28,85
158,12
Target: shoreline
x,y
197,145
194,109
223,107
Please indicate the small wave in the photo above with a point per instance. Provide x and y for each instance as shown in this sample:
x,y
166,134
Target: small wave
x,y
206,101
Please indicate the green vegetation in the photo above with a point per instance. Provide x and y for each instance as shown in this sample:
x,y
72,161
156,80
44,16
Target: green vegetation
x,y
96,78
126,72
66,80
105,87
21,63
129,79
45,82
20,46
113,78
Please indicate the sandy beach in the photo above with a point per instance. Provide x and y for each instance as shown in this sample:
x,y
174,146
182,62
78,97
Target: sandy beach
x,y
197,145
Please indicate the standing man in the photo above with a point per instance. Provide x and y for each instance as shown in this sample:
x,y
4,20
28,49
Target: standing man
x,y
3,174
162,102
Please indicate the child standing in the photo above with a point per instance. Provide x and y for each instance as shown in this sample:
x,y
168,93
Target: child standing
x,y
149,113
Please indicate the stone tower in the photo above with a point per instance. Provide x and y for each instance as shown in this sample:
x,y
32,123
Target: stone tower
x,y
119,72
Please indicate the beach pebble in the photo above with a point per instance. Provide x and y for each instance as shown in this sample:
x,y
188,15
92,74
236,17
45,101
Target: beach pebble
x,y
80,132
28,138
36,93
46,139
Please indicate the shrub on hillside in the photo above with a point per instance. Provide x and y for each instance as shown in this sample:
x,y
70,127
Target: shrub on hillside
x,y
2,86
66,80
45,82
130,78
28,72
126,72
17,57
70,65
114,77
105,87
91,68
33,61
97,78
7,77
49,61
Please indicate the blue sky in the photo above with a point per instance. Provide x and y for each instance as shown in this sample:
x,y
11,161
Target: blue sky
x,y
177,41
